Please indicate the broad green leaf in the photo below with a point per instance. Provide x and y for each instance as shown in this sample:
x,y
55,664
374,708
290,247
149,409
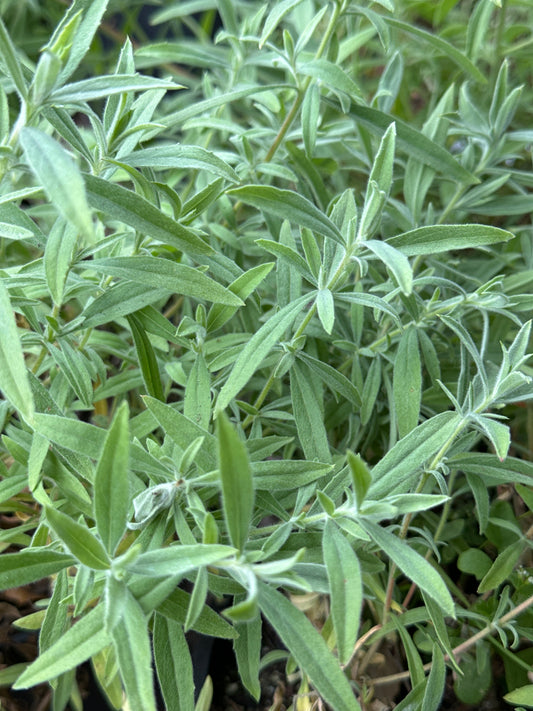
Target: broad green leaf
x,y
412,564
177,278
147,358
111,483
523,696
182,157
443,238
247,647
183,431
474,562
134,655
237,482
308,648
60,177
126,206
173,664
502,567
178,559
78,539
441,45
395,261
288,205
308,415
257,349
31,564
332,76
107,85
80,437
346,589
87,637
10,64
407,382
413,142
404,461
13,374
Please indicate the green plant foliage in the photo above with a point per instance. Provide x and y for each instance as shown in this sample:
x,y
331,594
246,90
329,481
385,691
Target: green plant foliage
x,y
265,328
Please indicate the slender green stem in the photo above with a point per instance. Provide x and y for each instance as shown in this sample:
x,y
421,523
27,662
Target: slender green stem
x,y
305,85
464,646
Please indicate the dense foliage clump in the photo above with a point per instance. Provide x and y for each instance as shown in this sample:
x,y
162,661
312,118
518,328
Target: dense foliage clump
x,y
265,290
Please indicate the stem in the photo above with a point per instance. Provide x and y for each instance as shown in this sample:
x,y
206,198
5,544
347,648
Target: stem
x,y
307,81
457,651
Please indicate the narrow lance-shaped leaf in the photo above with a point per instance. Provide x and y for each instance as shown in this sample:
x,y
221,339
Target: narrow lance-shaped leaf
x,y
308,415
332,76
147,358
173,664
132,646
78,539
413,142
92,14
412,564
178,559
288,205
247,647
111,485
395,261
133,210
31,564
274,17
395,472
84,639
257,349
164,273
346,591
13,375
407,382
308,648
99,87
60,176
237,482
174,156
13,68
440,45
443,238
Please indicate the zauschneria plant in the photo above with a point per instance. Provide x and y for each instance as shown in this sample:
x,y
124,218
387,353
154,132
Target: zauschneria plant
x,y
265,289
